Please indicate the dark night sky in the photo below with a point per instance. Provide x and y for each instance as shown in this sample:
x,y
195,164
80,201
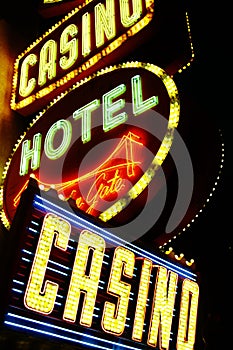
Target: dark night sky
x,y
214,247
210,39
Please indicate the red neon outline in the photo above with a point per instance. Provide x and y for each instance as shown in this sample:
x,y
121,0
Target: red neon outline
x,y
125,143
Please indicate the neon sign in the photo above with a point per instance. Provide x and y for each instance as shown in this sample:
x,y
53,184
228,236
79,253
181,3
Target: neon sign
x,y
75,122
85,40
78,282
107,180
53,8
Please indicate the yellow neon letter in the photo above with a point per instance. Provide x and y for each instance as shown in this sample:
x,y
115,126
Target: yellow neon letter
x,y
35,298
86,34
48,57
83,281
142,300
114,316
126,19
67,46
104,22
162,310
188,315
26,85
51,1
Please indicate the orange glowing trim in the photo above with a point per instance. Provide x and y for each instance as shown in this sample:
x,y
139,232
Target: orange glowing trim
x,y
164,149
17,198
126,143
114,185
159,157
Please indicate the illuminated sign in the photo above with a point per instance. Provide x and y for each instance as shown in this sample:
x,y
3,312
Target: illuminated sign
x,y
53,8
76,281
85,40
127,104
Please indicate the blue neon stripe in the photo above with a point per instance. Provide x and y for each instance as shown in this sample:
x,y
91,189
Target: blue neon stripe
x,y
96,229
51,261
91,337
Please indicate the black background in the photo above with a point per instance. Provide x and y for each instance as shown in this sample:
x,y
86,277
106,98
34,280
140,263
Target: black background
x,y
213,242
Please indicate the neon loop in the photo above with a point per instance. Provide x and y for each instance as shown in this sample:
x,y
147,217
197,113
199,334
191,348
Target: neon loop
x,y
165,146
138,105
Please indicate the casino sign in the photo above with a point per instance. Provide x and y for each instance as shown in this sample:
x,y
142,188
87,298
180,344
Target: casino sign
x,y
125,112
101,134
75,281
84,41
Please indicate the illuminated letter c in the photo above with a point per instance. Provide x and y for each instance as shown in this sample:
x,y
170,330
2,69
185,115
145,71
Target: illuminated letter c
x,y
35,299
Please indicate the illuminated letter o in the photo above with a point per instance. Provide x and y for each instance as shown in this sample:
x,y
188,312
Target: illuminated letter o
x,y
56,152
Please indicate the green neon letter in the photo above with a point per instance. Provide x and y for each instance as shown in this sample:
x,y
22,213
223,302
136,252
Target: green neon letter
x,y
52,152
140,106
32,154
109,107
85,113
